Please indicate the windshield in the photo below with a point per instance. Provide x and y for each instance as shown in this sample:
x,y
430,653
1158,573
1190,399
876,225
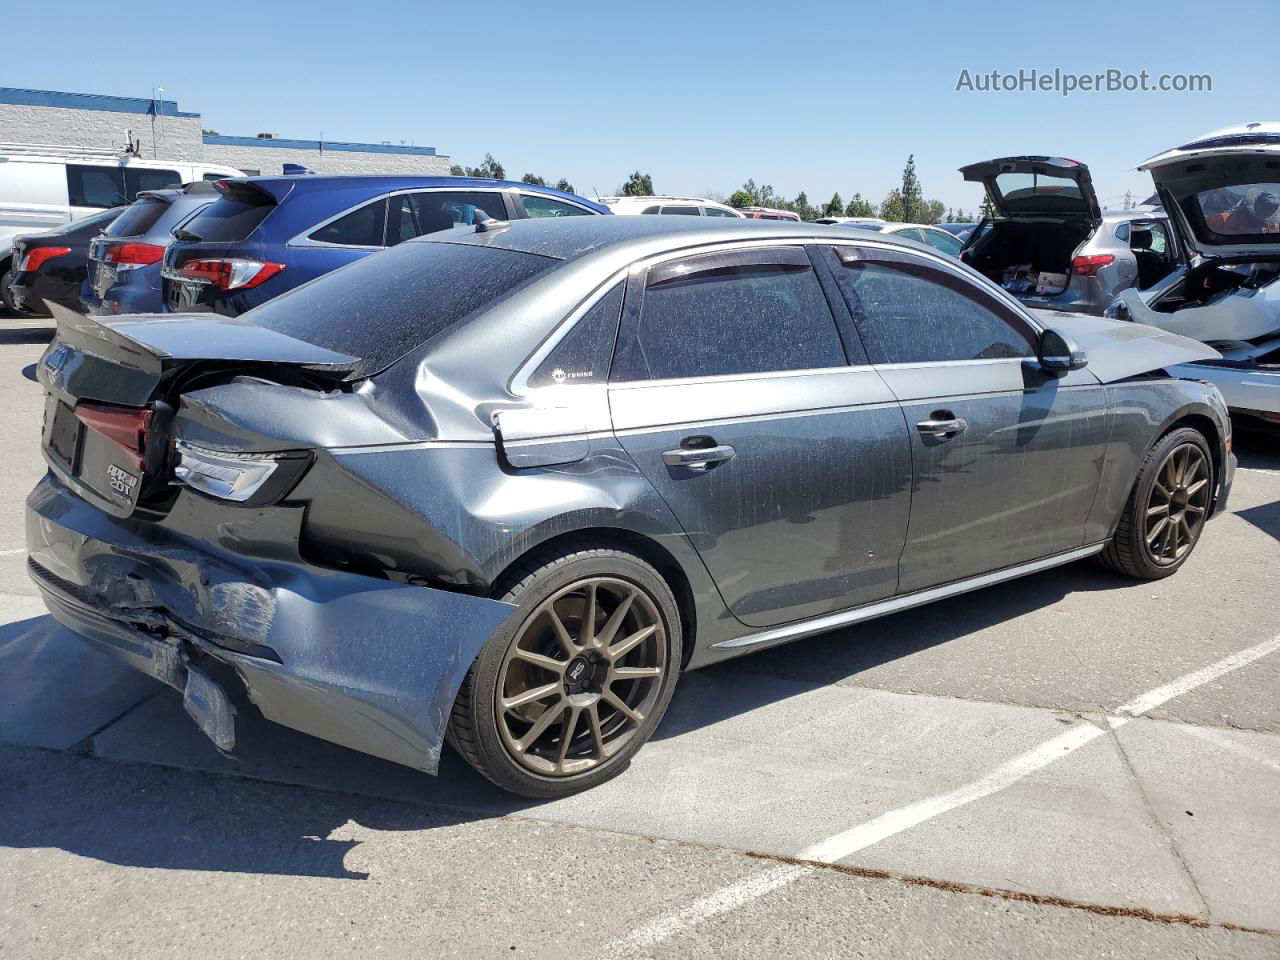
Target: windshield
x,y
381,307
1250,211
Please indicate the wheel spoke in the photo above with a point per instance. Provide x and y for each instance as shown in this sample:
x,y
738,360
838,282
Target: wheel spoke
x,y
597,734
588,632
621,706
566,733
562,633
553,712
1192,471
546,663
627,644
635,673
1165,491
530,695
1155,531
1196,487
1191,507
1158,509
614,624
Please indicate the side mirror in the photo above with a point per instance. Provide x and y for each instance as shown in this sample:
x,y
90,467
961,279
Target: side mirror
x,y
1059,354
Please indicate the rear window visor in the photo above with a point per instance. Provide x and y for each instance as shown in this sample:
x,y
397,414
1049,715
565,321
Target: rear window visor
x,y
383,306
139,218
233,216
1249,212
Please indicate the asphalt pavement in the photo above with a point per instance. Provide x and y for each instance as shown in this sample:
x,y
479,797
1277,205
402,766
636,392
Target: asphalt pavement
x,y
1070,765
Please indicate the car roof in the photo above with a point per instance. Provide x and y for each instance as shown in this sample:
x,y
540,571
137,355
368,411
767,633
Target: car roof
x,y
570,238
280,184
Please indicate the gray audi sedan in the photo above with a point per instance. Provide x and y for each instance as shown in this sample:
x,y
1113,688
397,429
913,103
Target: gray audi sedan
x,y
501,487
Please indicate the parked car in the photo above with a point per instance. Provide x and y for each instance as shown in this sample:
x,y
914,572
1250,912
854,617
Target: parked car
x,y
42,186
960,230
1223,193
1052,246
769,213
669,206
266,235
51,265
846,221
124,262
503,485
920,232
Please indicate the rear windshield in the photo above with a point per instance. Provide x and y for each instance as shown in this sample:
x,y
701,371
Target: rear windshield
x,y
1249,211
381,307
139,218
1030,190
232,217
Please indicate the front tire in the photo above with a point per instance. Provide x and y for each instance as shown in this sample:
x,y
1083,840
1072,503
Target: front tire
x,y
562,697
1166,510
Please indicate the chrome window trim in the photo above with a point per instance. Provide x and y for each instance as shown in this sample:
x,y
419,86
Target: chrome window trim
x,y
519,382
303,239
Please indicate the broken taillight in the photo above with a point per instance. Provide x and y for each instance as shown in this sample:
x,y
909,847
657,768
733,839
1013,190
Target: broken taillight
x,y
229,273
1090,265
126,427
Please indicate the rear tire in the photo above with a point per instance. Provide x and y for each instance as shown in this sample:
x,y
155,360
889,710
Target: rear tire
x,y
562,697
1165,514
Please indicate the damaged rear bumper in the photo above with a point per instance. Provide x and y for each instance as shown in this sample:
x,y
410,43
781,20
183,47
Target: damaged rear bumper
x,y
362,662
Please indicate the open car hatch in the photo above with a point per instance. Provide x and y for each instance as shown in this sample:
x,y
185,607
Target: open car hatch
x,y
1037,186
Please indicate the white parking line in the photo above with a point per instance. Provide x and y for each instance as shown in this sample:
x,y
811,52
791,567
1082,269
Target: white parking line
x,y
12,553
886,825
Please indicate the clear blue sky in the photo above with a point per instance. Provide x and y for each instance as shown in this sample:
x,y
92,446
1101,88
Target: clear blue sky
x,y
806,96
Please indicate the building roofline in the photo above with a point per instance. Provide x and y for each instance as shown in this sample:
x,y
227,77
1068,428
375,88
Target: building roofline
x,y
19,96
336,146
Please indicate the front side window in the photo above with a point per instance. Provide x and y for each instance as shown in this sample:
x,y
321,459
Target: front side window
x,y
717,212
361,227
941,240
742,312
94,186
911,312
445,209
536,205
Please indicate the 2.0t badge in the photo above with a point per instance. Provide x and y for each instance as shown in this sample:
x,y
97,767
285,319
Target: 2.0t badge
x,y
122,482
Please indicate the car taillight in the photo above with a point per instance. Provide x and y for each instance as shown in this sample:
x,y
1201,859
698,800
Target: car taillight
x,y
124,426
1089,266
130,256
230,274
36,257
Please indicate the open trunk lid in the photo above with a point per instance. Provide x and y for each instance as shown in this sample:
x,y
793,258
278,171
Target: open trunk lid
x,y
109,387
1223,190
1037,187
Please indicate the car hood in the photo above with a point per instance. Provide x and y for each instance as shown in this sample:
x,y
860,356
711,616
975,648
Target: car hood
x,y
1013,200
1118,349
1240,159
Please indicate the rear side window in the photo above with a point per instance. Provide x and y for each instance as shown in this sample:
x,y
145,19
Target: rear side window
x,y
717,212
94,186
232,217
911,312
380,308
137,179
682,211
445,209
139,218
361,227
583,355
743,312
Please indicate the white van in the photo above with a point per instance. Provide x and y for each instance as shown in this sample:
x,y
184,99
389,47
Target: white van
x,y
47,186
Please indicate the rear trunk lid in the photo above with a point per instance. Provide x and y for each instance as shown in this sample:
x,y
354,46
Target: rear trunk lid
x,y
1037,187
1223,190
111,386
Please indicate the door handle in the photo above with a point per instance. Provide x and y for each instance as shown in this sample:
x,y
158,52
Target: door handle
x,y
698,458
944,428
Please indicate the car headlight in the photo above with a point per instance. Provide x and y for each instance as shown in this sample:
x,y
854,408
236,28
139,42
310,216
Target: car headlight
x,y
249,478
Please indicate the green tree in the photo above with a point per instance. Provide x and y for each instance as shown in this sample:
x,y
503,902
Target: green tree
x,y
932,212
740,198
565,185
988,208
910,193
637,185
891,207
491,169
859,208
457,171
834,207
801,206
533,178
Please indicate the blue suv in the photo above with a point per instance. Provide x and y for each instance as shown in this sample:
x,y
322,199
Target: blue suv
x,y
266,235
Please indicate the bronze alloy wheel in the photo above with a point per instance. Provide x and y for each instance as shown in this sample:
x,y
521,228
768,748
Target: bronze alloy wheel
x,y
1178,504
583,672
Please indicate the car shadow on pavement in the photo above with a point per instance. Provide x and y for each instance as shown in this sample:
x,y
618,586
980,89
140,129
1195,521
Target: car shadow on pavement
x,y
25,334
